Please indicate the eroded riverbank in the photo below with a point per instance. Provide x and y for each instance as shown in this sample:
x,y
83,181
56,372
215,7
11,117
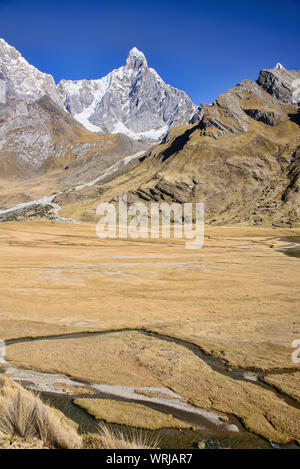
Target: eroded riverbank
x,y
208,425
292,249
209,327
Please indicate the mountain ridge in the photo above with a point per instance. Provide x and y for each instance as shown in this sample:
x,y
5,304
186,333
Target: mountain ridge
x,y
37,134
120,101
239,155
132,99
241,158
28,82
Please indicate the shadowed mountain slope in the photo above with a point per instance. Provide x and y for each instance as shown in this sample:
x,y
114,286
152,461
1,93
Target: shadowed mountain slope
x,y
242,159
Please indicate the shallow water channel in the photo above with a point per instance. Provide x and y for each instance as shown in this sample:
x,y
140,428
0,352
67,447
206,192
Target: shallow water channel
x,y
206,426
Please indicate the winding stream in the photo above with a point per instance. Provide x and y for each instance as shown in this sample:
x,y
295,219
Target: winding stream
x,y
216,364
207,422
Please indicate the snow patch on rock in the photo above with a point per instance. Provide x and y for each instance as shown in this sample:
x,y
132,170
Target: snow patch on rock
x,y
132,99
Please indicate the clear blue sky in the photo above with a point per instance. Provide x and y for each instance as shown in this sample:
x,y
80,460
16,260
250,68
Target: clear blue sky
x,y
202,47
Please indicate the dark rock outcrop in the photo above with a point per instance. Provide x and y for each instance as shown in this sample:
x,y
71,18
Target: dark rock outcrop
x,y
281,83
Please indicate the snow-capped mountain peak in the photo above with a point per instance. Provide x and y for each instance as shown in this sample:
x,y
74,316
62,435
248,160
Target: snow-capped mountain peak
x,y
136,59
26,80
132,99
279,66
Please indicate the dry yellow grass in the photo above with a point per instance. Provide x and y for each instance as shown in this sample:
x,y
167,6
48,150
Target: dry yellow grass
x,y
107,359
289,383
238,298
24,415
129,414
130,358
27,423
130,439
111,438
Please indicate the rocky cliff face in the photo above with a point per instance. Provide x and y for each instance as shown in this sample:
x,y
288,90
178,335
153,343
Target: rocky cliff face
x,y
231,111
241,158
37,134
132,99
197,117
281,83
26,82
39,137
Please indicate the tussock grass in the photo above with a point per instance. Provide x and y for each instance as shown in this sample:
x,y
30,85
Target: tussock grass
x,y
132,438
23,414
109,438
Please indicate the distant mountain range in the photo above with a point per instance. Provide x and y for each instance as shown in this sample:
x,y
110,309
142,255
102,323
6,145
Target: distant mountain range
x,y
240,155
133,100
44,125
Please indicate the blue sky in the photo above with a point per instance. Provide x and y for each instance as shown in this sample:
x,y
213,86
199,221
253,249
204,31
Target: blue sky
x,y
202,47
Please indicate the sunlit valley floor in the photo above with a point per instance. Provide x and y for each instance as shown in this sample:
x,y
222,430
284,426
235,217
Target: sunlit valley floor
x,y
194,345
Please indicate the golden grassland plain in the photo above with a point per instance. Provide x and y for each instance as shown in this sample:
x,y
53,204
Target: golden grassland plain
x,y
237,298
129,414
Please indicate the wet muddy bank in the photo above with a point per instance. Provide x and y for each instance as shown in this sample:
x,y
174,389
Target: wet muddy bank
x,y
72,388
213,436
168,438
209,426
218,365
293,249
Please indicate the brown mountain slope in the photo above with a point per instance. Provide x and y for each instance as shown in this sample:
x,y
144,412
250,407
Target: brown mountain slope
x,y
39,137
44,150
242,160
